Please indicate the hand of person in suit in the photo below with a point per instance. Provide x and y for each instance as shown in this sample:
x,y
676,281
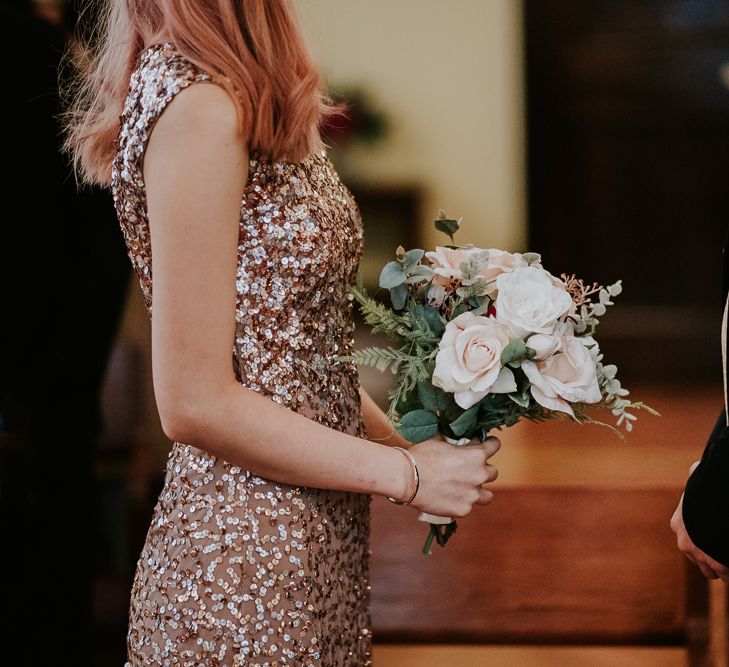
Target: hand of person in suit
x,y
710,568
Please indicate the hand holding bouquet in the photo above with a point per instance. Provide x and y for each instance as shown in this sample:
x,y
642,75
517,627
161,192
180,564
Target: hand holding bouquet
x,y
485,338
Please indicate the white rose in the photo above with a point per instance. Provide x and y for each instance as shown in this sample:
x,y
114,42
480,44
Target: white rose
x,y
530,300
468,363
564,378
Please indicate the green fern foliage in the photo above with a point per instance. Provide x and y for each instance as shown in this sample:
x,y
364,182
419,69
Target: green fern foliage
x,y
380,317
380,358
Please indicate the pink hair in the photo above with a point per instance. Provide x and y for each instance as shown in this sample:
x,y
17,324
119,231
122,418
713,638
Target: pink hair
x,y
251,47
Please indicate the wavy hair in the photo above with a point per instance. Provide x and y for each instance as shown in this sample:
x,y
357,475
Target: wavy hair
x,y
253,48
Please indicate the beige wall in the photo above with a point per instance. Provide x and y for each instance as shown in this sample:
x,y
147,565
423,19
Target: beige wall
x,y
450,76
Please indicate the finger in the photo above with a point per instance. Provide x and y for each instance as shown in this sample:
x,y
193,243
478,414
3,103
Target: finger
x,y
491,446
491,473
721,570
706,570
484,497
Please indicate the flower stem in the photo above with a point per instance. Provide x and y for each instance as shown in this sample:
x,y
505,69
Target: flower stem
x,y
428,542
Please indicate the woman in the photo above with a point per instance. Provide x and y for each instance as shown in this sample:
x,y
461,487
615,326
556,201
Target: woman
x,y
258,549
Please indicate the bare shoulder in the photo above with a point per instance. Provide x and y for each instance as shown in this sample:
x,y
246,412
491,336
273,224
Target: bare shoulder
x,y
197,135
202,110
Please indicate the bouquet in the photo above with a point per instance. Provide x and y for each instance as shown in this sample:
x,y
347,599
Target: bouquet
x,y
484,338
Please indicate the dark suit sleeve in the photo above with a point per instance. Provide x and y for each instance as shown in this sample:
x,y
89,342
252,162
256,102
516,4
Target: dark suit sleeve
x,y
706,500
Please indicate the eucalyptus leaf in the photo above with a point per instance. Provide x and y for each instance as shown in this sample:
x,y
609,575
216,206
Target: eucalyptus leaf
x,y
476,301
398,296
616,289
477,287
418,425
419,273
428,395
438,401
448,226
466,422
532,258
515,351
412,257
392,275
612,386
459,310
471,267
447,406
421,270
522,400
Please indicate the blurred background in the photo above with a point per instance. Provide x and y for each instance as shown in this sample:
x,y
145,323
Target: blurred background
x,y
595,132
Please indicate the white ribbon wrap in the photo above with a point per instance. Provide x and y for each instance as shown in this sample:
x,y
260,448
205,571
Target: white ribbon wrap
x,y
433,518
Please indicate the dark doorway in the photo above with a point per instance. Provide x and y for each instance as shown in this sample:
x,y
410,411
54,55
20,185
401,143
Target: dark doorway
x,y
628,126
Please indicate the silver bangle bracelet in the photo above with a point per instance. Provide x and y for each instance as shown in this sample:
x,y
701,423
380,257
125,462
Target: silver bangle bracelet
x,y
416,478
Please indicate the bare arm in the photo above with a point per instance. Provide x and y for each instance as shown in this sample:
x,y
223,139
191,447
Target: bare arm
x,y
378,426
195,172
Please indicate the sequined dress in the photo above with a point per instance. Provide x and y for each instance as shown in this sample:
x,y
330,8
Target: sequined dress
x,y
238,569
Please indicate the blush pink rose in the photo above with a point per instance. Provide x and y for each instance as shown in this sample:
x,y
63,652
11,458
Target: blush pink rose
x,y
564,378
500,262
468,363
545,345
446,263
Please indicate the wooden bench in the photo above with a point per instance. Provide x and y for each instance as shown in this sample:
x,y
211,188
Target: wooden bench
x,y
576,548
540,565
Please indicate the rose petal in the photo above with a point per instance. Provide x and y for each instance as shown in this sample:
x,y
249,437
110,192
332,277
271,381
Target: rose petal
x,y
467,399
445,362
549,402
504,383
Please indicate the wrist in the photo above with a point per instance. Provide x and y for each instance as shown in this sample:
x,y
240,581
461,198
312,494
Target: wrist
x,y
398,475
413,479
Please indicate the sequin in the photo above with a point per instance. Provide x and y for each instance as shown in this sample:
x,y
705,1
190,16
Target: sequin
x,y
238,569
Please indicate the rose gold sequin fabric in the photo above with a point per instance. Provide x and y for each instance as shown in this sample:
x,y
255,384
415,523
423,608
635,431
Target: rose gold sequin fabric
x,y
238,569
